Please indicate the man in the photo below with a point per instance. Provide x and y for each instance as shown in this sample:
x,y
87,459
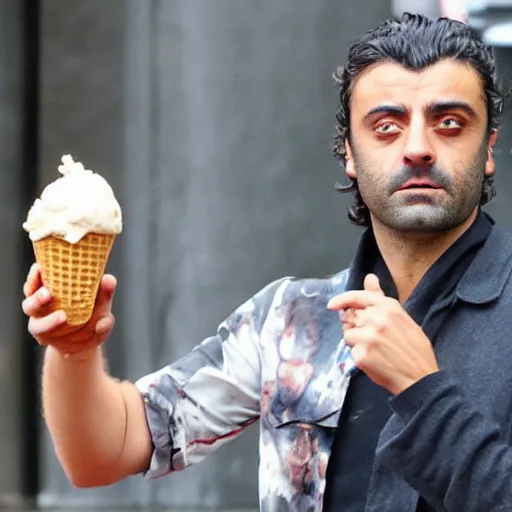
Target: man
x,y
412,409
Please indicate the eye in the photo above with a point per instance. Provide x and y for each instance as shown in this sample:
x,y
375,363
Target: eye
x,y
387,129
450,123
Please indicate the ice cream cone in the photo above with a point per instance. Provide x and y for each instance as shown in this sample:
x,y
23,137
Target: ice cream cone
x,y
73,272
73,226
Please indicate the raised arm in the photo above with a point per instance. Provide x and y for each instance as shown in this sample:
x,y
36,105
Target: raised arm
x,y
104,430
97,424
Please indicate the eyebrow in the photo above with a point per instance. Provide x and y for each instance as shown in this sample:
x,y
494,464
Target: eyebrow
x,y
442,106
435,108
399,110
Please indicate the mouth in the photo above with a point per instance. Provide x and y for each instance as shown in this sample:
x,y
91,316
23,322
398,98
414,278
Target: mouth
x,y
420,185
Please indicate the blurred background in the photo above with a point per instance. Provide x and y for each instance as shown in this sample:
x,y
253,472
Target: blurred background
x,y
213,122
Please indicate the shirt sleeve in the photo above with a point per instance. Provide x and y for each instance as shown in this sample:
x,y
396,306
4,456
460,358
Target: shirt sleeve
x,y
449,452
210,395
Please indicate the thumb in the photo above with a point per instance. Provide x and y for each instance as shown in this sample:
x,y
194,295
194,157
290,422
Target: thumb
x,y
372,284
105,294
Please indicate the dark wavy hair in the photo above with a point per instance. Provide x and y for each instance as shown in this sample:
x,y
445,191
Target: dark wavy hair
x,y
415,42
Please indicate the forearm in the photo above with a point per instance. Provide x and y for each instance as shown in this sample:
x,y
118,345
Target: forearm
x,y
449,452
85,411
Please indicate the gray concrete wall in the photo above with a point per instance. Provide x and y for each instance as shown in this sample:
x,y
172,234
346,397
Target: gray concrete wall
x,y
427,7
501,206
213,121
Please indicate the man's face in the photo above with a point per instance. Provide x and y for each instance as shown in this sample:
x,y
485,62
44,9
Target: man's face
x,y
419,147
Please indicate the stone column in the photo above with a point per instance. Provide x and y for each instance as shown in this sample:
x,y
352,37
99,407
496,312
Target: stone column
x,y
13,373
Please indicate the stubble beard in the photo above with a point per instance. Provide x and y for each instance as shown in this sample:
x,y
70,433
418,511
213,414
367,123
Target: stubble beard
x,y
428,213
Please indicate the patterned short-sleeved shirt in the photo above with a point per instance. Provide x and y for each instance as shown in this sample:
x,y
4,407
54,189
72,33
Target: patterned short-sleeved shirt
x,y
279,358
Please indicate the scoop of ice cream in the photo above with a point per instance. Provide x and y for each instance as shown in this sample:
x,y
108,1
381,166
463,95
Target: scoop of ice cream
x,y
77,203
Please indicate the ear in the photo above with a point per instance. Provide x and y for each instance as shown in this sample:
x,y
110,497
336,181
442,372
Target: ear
x,y
350,168
490,164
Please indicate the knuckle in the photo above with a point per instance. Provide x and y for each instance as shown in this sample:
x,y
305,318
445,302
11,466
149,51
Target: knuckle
x,y
45,326
43,294
352,337
395,306
359,354
28,306
29,280
381,322
33,327
373,337
348,336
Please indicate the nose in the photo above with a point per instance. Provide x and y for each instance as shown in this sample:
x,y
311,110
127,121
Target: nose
x,y
418,147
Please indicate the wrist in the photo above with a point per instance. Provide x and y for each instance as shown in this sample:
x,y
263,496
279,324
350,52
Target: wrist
x,y
404,384
84,355
414,398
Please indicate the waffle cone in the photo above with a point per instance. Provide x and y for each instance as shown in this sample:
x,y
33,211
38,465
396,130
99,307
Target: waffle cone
x,y
73,272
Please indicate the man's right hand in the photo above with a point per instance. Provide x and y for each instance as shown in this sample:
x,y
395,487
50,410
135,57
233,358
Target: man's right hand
x,y
50,328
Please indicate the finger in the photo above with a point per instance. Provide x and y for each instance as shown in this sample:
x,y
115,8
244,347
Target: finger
x,y
105,325
75,349
355,299
64,331
372,284
105,295
33,281
32,305
360,336
71,335
359,353
40,326
370,317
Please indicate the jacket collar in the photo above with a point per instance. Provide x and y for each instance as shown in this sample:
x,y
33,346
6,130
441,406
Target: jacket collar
x,y
487,275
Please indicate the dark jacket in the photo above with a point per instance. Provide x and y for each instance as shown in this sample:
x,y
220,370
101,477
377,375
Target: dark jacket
x,y
450,436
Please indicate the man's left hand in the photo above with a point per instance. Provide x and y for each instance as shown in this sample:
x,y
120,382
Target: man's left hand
x,y
387,344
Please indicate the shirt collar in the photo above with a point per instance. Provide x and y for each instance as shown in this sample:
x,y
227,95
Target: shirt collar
x,y
487,276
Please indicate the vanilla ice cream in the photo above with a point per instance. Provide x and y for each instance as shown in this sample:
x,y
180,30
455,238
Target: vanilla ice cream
x,y
77,203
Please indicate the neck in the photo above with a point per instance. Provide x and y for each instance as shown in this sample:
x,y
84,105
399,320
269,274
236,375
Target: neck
x,y
408,256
